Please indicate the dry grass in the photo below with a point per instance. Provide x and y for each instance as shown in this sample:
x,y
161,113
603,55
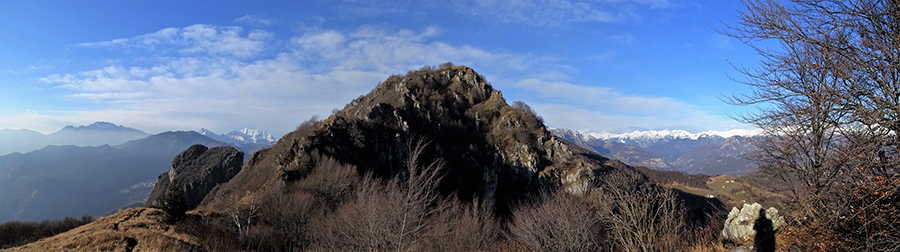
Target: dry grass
x,y
141,228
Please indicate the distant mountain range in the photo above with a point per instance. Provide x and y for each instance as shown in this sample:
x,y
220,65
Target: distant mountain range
x,y
710,153
95,134
67,176
57,181
106,133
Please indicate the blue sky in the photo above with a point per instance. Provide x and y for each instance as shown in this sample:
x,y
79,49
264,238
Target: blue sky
x,y
607,65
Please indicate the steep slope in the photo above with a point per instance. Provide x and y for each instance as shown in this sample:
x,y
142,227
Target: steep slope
x,y
59,181
491,150
198,169
136,229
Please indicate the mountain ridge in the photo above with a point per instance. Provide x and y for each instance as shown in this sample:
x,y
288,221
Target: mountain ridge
x,y
496,151
95,134
57,181
675,150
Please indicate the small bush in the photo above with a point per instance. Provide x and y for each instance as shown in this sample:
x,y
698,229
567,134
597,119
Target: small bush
x,y
560,222
641,216
18,233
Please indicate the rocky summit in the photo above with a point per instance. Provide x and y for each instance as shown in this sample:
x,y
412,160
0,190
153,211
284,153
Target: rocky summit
x,y
198,169
490,149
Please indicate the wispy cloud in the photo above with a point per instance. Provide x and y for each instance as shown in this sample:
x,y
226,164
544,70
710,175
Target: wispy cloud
x,y
539,13
551,13
601,120
607,99
218,87
373,48
255,20
194,39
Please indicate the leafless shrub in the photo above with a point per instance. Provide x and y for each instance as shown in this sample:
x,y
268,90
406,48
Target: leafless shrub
x,y
307,126
292,216
17,233
390,215
560,222
428,68
524,107
464,226
244,213
262,238
828,99
214,232
641,216
331,182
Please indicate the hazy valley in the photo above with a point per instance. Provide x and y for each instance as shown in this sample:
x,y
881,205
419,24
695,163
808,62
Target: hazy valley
x,y
71,177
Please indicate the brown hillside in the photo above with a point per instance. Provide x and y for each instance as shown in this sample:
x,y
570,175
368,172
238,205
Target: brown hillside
x,y
135,229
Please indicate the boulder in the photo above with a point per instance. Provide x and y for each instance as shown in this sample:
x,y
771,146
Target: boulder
x,y
739,225
198,169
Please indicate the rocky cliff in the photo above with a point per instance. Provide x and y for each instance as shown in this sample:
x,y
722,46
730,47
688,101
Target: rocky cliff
x,y
491,150
199,169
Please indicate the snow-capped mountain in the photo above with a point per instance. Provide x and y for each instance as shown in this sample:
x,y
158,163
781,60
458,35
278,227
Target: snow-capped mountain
x,y
628,154
711,152
648,138
249,135
243,136
247,140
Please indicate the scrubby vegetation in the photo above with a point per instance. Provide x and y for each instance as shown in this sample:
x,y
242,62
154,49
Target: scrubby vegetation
x,y
333,208
17,233
827,98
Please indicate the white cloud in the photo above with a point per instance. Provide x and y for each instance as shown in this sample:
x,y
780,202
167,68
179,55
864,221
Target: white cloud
x,y
372,48
254,20
566,116
538,13
195,39
217,86
606,98
552,13
210,83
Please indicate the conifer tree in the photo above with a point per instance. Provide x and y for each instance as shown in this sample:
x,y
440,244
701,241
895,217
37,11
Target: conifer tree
x,y
174,204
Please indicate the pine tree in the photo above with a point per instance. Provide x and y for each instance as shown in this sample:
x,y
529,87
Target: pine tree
x,y
174,204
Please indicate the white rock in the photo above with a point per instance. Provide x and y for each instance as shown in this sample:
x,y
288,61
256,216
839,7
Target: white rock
x,y
739,225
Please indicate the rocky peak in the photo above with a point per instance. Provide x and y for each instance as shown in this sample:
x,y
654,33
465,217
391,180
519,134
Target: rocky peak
x,y
492,150
198,169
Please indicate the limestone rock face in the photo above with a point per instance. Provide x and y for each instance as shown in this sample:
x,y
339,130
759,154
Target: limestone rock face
x,y
739,225
198,169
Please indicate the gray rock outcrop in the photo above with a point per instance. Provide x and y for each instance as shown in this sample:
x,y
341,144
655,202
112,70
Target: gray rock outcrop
x,y
739,225
198,169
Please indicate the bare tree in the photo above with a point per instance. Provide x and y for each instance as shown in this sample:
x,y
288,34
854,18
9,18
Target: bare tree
x,y
244,214
420,193
829,99
560,222
392,215
641,216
